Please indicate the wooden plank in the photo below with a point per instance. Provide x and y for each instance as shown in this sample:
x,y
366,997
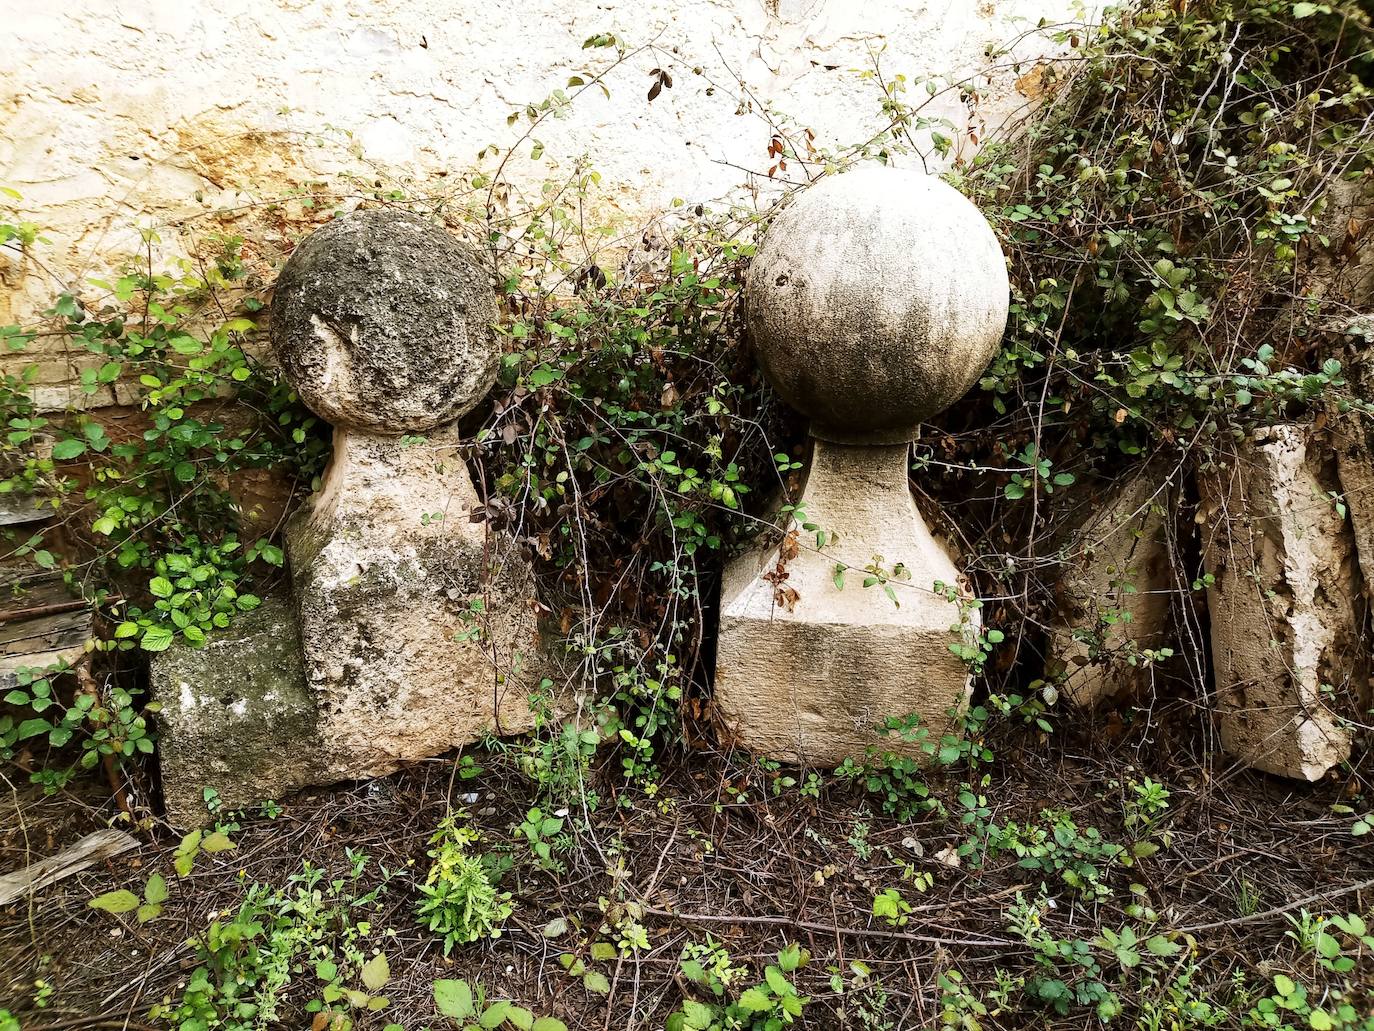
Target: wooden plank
x,y
90,850
43,628
19,509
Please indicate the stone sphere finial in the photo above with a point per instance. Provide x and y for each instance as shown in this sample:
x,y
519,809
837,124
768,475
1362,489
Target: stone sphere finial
x,y
383,321
876,300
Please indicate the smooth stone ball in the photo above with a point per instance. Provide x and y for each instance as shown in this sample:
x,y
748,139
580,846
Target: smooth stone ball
x,y
876,299
383,322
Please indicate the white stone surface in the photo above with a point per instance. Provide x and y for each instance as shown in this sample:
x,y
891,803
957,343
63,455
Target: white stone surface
x,y
877,298
117,114
1286,643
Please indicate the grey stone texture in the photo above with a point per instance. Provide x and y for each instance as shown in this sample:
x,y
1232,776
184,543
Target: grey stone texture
x,y
1289,658
236,716
876,299
1118,583
383,321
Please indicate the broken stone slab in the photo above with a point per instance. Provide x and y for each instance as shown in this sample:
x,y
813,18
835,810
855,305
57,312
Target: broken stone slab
x,y
875,300
418,623
1354,447
95,847
1113,599
18,509
1290,664
1341,280
236,716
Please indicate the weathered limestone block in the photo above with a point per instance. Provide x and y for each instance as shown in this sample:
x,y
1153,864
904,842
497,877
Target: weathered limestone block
x,y
805,670
876,299
1113,598
1283,604
417,624
236,716
387,566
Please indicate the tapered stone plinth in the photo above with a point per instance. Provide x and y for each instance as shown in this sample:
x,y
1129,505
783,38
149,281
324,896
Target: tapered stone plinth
x,y
806,668
418,624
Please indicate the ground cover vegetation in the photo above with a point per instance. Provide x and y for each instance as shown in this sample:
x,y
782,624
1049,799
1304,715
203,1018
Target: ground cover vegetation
x,y
1162,208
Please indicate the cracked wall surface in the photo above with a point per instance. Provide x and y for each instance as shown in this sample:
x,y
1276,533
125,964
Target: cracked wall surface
x,y
122,114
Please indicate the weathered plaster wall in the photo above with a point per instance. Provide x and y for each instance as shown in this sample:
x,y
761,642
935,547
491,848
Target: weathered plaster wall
x,y
116,114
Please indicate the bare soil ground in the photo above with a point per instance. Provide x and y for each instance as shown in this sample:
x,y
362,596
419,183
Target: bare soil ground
x,y
720,850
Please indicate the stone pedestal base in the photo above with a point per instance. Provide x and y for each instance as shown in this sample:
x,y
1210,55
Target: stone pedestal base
x,y
418,626
806,669
236,717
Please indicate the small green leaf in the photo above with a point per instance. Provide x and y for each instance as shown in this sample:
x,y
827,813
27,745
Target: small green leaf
x,y
64,450
218,841
157,639
699,1016
790,958
148,911
1159,945
155,892
495,1014
32,728
375,972
755,1001
115,902
454,999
